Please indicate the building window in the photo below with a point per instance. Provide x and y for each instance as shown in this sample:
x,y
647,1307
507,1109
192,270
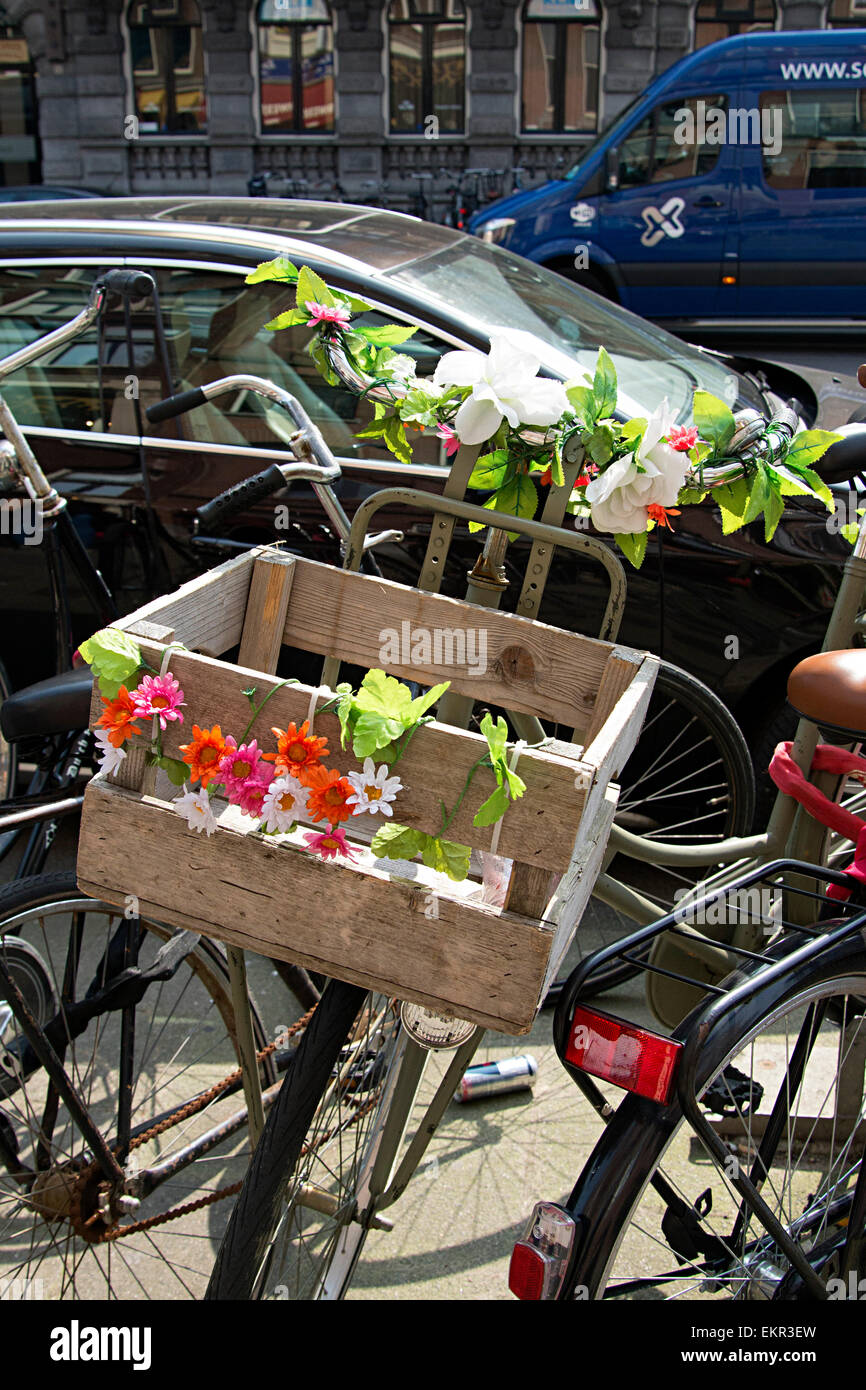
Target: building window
x,y
19,160
427,65
720,19
168,67
560,66
846,14
296,67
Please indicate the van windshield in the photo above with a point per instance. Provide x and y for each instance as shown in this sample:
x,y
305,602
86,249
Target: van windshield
x,y
612,129
490,287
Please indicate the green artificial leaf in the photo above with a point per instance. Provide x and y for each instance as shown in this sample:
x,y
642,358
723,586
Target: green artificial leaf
x,y
345,707
850,532
632,430
733,500
690,496
372,732
355,306
375,430
177,771
288,320
420,408
774,509
604,385
280,268
633,546
446,857
383,694
808,446
600,444
395,841
313,290
496,735
714,420
316,349
583,400
386,335
396,441
759,491
508,783
422,703
557,476
490,811
519,497
114,657
489,471
251,695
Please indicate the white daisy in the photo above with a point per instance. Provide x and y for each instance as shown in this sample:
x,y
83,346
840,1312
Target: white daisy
x,y
284,803
373,791
195,807
110,757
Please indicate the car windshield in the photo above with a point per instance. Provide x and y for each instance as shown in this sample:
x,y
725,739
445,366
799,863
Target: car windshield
x,y
492,288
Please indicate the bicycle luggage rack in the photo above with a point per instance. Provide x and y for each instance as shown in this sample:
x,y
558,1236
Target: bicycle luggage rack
x,y
410,935
757,903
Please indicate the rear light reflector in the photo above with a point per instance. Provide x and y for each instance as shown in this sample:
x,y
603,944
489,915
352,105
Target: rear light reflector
x,y
539,1261
630,1057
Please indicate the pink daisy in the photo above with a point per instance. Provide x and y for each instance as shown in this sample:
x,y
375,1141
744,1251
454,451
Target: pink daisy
x,y
238,766
321,313
252,794
683,437
160,696
449,435
329,845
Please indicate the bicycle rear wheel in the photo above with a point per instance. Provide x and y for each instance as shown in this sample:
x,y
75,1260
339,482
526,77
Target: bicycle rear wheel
x,y
797,1135
297,1230
689,780
65,1232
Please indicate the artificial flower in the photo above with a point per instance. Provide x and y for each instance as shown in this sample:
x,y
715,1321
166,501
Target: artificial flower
x,y
251,796
620,495
398,367
329,794
661,515
117,717
450,439
160,696
373,791
297,751
324,313
195,807
204,753
110,757
238,765
330,844
682,437
284,803
505,385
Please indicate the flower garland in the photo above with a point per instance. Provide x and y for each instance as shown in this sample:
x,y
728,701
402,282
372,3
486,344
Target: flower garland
x,y
281,788
637,473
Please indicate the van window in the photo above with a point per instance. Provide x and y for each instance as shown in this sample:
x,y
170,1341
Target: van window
x,y
820,139
653,154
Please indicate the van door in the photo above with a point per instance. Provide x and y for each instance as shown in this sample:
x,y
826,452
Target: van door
x,y
801,233
666,222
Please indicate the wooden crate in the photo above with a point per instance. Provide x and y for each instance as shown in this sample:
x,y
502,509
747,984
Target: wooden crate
x,y
414,935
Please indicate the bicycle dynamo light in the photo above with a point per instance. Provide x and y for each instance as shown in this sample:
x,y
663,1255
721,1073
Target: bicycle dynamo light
x,y
627,1056
540,1259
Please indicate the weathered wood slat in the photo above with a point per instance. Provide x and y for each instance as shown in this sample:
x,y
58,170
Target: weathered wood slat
x,y
358,925
207,614
573,891
265,616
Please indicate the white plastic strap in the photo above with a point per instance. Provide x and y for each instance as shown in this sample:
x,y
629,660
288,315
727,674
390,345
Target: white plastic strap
x,y
515,758
166,658
311,712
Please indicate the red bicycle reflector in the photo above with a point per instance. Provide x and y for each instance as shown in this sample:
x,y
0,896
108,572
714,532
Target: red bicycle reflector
x,y
630,1057
526,1272
539,1261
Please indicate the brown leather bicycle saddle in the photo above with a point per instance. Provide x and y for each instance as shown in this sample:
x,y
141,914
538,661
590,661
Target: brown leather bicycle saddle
x,y
830,689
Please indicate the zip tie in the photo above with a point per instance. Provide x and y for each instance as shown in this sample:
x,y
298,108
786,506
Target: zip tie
x,y
166,658
311,712
512,767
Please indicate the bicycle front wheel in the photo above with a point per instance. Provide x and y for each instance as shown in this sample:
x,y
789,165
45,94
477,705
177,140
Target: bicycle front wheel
x,y
657,1212
148,1067
297,1231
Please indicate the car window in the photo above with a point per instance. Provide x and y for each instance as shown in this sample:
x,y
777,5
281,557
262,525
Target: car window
x,y
666,144
818,139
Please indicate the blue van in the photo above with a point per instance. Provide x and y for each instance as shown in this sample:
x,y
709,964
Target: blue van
x,y
734,187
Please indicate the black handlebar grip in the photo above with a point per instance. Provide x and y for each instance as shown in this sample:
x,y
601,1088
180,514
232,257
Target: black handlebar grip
x,y
175,405
131,284
241,496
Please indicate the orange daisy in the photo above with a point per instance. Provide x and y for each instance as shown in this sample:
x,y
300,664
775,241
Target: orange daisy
x,y
298,751
328,795
204,753
117,718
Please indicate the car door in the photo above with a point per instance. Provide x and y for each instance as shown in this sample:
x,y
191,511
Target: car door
x,y
801,229
666,223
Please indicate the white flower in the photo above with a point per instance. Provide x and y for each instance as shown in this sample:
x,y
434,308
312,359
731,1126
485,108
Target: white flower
x,y
284,803
195,807
373,791
400,367
505,385
620,495
110,757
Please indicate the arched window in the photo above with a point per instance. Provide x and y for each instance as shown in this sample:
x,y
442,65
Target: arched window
x,y
720,19
167,67
846,14
296,66
560,66
427,64
19,162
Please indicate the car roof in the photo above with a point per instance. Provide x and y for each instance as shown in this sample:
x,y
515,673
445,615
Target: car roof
x,y
375,238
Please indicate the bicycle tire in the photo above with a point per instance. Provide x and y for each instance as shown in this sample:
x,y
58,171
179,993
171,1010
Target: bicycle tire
x,y
679,700
268,1251
619,1213
8,762
184,1042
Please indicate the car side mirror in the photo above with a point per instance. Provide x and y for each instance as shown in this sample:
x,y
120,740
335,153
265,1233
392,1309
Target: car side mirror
x,y
611,169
